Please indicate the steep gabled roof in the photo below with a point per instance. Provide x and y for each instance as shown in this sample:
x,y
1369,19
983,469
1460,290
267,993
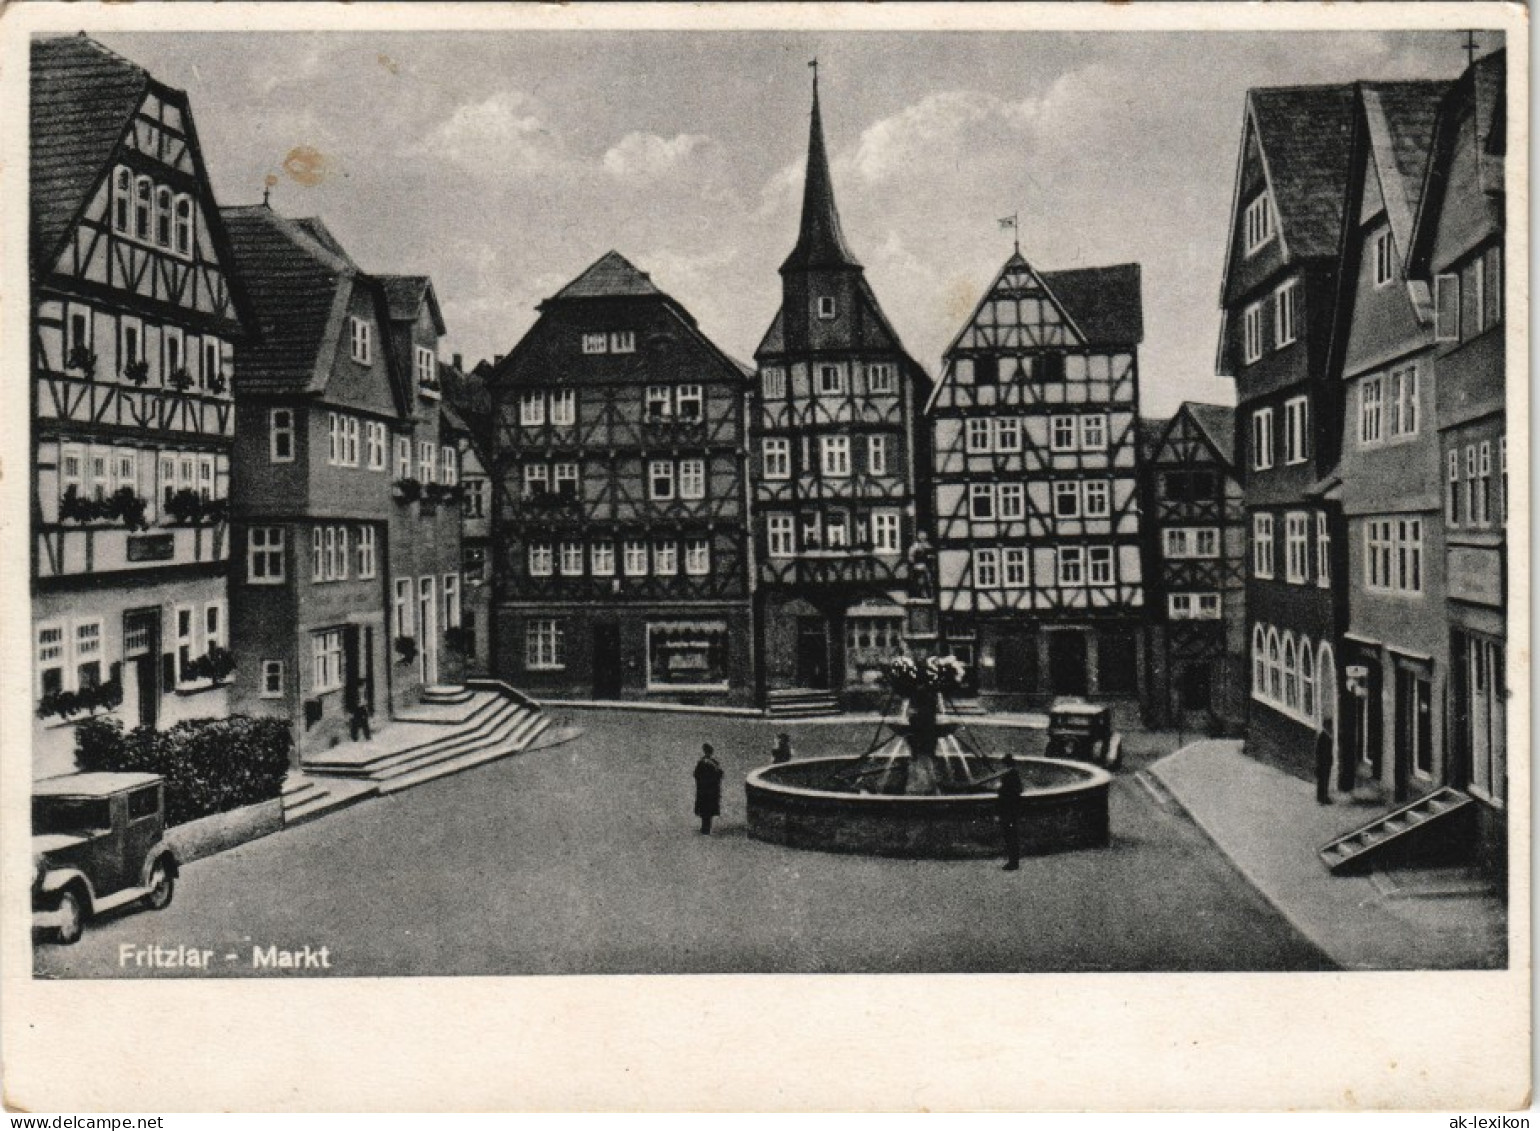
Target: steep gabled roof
x,y
299,288
1483,89
1104,302
1400,118
404,296
1152,433
1217,422
820,240
612,275
83,98
1305,135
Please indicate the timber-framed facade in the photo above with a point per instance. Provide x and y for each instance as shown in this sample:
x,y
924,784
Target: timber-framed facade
x,y
1035,430
135,317
837,457
621,500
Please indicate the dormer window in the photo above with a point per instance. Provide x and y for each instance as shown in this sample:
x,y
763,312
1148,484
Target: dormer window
x,y
362,339
1384,258
1259,223
596,343
826,307
623,341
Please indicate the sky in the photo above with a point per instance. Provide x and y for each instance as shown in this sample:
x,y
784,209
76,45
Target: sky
x,y
504,163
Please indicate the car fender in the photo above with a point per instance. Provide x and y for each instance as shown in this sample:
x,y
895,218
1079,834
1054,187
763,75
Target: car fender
x,y
55,880
160,854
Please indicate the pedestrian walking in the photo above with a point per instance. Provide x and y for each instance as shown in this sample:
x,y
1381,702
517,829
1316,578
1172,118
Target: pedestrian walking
x,y
708,787
1008,810
358,722
1323,761
781,751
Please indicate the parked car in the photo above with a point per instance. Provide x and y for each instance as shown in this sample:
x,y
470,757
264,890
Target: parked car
x,y
98,843
1083,732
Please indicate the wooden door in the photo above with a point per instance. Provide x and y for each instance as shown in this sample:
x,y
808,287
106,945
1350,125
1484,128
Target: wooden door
x,y
606,661
1067,663
812,653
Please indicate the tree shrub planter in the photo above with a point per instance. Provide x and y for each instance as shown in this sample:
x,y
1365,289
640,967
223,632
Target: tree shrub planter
x,y
221,831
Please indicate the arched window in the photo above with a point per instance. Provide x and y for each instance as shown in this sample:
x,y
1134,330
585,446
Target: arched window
x,y
163,216
1326,682
1259,662
1307,677
122,198
1290,672
1274,667
184,224
142,193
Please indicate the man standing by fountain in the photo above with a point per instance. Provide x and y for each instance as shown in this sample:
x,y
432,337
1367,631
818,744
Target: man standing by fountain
x,y
1008,809
708,788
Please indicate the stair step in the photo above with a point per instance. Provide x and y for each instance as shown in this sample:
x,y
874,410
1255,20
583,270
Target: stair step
x,y
481,719
504,739
324,804
489,725
457,764
1359,844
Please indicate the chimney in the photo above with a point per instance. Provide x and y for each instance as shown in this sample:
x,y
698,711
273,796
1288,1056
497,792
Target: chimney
x,y
497,359
460,361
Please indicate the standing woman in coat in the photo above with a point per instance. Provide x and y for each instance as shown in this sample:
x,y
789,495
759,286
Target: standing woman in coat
x,y
708,787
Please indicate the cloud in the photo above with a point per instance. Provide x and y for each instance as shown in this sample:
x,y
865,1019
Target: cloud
x,y
503,134
936,132
648,157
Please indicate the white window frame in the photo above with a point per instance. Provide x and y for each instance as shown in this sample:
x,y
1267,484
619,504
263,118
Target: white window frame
x,y
563,410
536,475
1013,567
361,340
693,395
885,527
773,383
1285,314
265,555
1404,389
368,557
1262,451
877,455
1383,253
1070,567
543,644
622,341
692,478
1099,490
596,342
1066,499
658,403
1296,543
834,456
697,556
1296,430
1007,434
1258,223
1371,410
1252,333
403,457
634,553
781,535
427,460
1063,433
1263,547
665,558
979,435
531,409
375,435
271,685
1099,565
601,559
661,480
831,378
542,560
879,377
986,568
981,502
777,457
427,365
1010,501
1093,432
827,307
1322,550
403,606
570,558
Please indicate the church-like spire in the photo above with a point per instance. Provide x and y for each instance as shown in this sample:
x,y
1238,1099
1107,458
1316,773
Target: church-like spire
x,y
820,243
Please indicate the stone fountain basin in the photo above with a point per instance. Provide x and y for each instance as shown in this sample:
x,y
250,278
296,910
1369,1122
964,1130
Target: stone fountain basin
x,y
802,804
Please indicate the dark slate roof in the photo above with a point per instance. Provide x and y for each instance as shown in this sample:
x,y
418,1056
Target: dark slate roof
x,y
1218,423
611,276
1306,134
1105,302
774,340
297,286
820,241
83,98
1411,111
404,296
1152,430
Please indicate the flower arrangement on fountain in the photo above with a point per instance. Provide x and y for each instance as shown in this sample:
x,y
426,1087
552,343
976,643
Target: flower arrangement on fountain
x,y
939,674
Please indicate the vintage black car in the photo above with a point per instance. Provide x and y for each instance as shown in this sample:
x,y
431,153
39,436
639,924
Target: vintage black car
x,y
1083,732
98,843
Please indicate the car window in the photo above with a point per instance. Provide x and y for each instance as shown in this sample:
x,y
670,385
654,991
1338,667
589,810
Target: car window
x,y
144,803
70,815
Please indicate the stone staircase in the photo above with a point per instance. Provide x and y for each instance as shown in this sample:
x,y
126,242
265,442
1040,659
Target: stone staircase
x,y
473,726
1440,826
306,798
800,703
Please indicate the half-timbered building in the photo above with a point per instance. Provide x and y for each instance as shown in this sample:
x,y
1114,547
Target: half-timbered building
x,y
1394,644
836,452
1035,434
1457,249
1278,297
622,501
346,577
1196,525
135,315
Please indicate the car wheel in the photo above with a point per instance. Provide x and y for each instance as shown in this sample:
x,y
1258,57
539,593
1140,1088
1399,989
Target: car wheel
x,y
162,886
71,918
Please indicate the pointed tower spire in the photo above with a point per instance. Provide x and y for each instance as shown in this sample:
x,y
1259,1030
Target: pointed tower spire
x,y
820,243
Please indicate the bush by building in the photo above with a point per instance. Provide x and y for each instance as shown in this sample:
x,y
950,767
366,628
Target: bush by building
x,y
210,765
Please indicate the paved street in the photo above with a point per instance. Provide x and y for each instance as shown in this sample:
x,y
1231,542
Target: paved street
x,y
585,858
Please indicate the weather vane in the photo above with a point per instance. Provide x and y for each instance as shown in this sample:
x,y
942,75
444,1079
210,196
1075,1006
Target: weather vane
x,y
1013,223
